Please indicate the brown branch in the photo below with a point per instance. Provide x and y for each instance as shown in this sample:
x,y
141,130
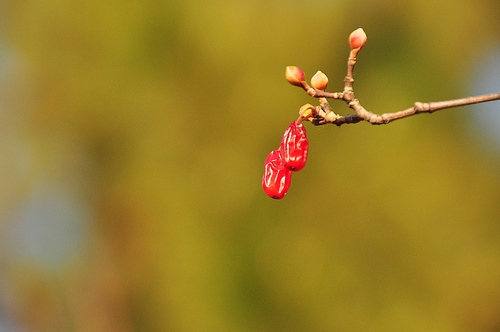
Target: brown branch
x,y
419,107
363,115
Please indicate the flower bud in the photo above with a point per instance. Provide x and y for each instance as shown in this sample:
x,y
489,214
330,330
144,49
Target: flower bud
x,y
319,81
295,75
357,39
307,111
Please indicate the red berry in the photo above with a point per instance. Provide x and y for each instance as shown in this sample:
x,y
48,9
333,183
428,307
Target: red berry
x,y
294,146
276,179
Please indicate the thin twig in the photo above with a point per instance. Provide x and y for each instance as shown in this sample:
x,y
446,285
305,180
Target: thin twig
x,y
363,115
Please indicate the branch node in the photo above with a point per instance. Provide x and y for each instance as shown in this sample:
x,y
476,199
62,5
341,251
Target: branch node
x,y
311,92
422,107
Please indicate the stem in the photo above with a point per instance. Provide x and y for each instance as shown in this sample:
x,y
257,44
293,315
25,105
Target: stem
x,y
349,79
439,105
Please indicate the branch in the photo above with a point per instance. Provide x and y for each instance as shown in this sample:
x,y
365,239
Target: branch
x,y
323,113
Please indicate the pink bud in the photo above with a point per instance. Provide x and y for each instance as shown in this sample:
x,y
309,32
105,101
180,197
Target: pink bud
x,y
357,39
295,75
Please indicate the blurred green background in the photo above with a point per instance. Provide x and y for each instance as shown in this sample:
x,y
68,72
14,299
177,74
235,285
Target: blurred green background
x,y
133,135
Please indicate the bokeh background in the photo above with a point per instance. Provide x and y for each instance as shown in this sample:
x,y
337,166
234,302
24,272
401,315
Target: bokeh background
x,y
133,135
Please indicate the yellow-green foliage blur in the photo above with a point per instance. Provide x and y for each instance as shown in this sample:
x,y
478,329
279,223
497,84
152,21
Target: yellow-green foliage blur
x,y
133,135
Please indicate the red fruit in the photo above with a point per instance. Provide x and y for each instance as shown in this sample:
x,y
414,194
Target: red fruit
x,y
294,146
276,179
